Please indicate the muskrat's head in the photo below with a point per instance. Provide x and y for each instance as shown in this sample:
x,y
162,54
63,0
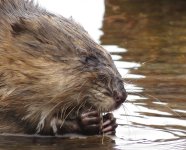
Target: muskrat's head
x,y
90,73
68,64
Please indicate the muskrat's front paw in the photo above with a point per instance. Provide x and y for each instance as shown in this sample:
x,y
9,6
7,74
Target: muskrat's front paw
x,y
109,124
90,123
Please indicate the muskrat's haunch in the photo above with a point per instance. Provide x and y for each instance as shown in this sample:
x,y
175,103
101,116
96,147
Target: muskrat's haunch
x,y
54,78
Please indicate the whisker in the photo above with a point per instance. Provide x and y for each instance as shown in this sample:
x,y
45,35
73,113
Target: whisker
x,y
169,108
80,106
125,109
127,118
63,112
67,116
147,61
158,100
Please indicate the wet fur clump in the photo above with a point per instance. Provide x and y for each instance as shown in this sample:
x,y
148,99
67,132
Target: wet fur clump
x,y
50,71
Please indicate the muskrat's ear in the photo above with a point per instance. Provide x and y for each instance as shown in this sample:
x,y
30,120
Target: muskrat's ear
x,y
18,27
22,26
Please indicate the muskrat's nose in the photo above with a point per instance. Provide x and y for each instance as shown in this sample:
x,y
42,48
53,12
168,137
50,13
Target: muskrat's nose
x,y
119,96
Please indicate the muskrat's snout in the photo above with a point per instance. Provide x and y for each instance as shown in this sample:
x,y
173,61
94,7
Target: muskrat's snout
x,y
119,92
119,96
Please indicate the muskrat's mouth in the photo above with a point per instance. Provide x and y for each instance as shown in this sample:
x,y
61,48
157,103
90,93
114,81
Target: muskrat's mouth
x,y
117,105
108,109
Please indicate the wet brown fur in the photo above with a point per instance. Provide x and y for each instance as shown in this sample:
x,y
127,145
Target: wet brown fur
x,y
49,68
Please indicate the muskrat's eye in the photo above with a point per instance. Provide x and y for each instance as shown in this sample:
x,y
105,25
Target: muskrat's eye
x,y
91,60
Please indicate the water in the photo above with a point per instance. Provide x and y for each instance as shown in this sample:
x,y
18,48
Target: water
x,y
153,33
147,40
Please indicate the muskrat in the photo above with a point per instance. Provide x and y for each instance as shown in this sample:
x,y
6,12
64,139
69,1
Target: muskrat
x,y
54,78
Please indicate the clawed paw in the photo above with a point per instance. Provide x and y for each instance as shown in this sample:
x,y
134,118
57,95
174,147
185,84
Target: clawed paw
x,y
92,123
109,124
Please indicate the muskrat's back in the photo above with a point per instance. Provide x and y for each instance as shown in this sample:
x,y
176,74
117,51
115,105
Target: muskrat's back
x,y
50,69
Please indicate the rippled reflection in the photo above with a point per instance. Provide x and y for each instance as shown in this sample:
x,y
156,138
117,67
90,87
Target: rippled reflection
x,y
153,32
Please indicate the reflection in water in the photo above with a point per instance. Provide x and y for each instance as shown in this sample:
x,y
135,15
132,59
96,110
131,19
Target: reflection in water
x,y
147,39
20,142
114,49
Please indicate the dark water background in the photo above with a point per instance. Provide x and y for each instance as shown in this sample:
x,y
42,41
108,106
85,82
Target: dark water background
x,y
147,40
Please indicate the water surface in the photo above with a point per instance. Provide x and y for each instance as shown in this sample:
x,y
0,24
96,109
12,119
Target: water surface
x,y
154,36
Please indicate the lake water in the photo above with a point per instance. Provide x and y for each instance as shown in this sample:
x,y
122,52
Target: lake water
x,y
147,40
